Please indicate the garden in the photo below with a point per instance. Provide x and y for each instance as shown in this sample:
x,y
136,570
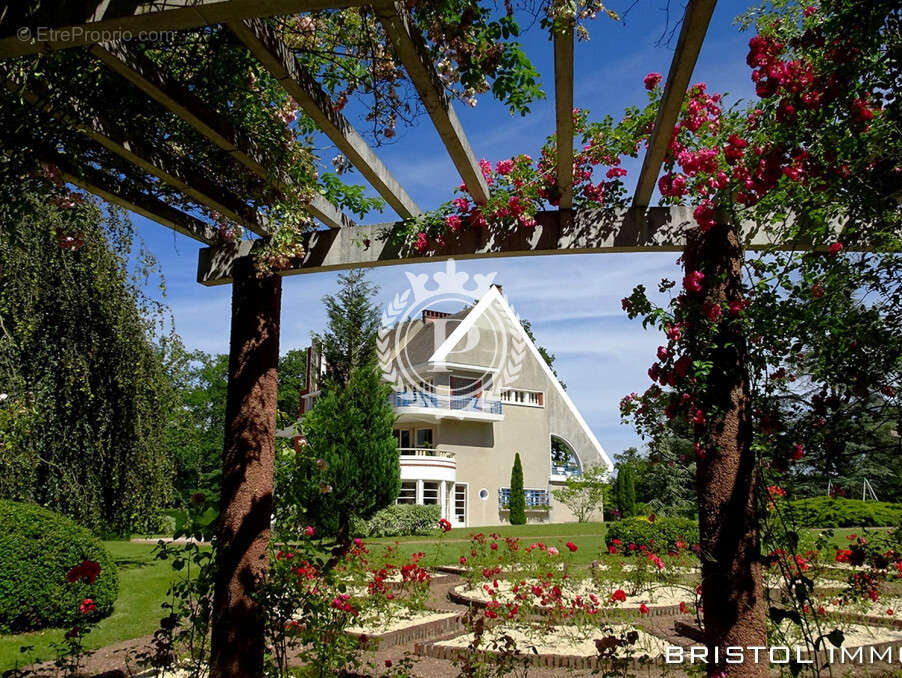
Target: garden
x,y
165,511
611,598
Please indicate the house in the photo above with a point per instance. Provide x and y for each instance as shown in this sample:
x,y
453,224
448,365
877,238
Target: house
x,y
471,390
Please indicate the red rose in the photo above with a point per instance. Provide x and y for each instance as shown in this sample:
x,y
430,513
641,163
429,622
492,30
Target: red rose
x,y
570,545
88,569
652,80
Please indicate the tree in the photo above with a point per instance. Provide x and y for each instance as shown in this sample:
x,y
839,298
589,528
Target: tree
x,y
350,435
350,340
584,494
194,435
350,468
77,352
517,502
626,490
292,378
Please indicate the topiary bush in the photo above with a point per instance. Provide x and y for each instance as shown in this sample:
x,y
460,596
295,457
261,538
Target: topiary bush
x,y
662,534
38,548
842,512
399,520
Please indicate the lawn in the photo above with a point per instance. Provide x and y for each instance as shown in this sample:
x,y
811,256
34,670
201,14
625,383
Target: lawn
x,y
447,549
143,582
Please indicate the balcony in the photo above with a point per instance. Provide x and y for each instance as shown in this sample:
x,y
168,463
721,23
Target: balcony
x,y
418,463
426,404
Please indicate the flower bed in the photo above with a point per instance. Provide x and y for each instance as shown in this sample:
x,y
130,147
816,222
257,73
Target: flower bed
x,y
608,601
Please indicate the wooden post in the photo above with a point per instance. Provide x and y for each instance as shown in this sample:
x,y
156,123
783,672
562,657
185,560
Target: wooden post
x,y
732,590
237,641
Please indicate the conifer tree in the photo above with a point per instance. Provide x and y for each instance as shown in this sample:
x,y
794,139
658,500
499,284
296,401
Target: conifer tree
x,y
517,506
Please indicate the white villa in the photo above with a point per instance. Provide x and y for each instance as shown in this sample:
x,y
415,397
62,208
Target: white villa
x,y
462,414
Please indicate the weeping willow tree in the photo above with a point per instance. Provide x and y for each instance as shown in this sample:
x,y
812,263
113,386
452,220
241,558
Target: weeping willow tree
x,y
83,387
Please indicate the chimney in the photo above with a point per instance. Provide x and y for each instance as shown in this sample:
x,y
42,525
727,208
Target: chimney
x,y
433,315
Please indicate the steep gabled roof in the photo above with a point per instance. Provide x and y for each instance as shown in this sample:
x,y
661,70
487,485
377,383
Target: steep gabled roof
x,y
494,296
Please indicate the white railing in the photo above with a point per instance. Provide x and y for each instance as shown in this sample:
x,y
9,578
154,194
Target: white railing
x,y
424,452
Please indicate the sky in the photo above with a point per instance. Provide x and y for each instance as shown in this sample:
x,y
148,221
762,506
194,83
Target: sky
x,y
572,301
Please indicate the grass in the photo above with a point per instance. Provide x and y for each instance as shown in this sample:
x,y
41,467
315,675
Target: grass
x,y
447,549
143,582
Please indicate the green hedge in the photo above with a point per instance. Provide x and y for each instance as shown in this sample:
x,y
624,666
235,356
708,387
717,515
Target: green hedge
x,y
841,512
399,520
37,549
666,531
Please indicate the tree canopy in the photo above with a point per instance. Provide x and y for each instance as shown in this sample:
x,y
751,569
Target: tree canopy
x,y
86,392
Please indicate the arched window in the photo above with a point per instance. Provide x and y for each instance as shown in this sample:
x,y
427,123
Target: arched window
x,y
564,461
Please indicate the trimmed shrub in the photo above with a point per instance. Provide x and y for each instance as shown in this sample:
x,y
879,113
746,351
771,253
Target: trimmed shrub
x,y
660,535
37,549
842,512
399,520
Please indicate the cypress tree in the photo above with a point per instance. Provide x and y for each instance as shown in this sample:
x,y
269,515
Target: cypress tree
x,y
517,506
626,491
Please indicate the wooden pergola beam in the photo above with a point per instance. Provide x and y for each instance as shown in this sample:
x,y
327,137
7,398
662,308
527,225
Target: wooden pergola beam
x,y
113,191
279,60
158,162
410,49
692,34
101,20
145,75
655,229
563,105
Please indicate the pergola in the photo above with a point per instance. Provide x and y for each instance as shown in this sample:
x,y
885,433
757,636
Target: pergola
x,y
249,450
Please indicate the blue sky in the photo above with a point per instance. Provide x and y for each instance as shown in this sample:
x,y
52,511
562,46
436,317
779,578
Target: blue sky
x,y
573,301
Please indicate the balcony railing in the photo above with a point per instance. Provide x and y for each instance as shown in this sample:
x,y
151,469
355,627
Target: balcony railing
x,y
424,452
445,402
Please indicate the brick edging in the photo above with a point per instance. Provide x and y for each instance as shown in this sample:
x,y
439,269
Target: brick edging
x,y
432,649
410,634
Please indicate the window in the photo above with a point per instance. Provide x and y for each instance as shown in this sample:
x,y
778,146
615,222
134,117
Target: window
x,y
430,493
409,438
424,437
460,502
466,386
523,397
483,494
403,437
408,493
534,498
564,460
